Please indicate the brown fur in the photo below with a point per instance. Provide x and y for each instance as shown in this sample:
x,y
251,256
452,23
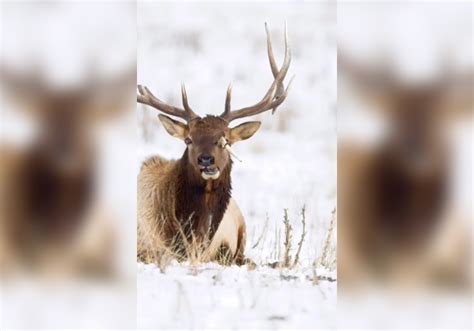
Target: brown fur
x,y
177,206
171,198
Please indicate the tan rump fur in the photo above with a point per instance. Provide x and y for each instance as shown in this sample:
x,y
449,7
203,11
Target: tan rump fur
x,y
228,231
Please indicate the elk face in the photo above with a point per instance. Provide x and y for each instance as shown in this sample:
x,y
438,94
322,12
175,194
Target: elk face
x,y
208,140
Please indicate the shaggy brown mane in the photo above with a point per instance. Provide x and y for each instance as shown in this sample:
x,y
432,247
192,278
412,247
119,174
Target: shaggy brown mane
x,y
201,204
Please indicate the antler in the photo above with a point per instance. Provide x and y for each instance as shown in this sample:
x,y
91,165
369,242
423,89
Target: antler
x,y
147,98
275,95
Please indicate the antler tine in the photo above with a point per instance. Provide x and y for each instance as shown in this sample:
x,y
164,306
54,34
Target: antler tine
x,y
187,109
145,97
276,94
271,57
228,98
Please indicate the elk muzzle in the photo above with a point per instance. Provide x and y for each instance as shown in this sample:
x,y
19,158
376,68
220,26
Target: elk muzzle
x,y
207,166
205,160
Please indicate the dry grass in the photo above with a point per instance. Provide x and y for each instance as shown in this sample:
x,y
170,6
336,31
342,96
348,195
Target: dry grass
x,y
328,257
288,239
186,247
262,235
288,261
303,235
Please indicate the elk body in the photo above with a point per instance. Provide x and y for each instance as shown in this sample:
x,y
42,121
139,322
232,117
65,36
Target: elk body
x,y
393,198
189,200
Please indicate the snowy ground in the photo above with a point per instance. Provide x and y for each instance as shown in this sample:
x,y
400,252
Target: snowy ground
x,y
211,296
289,163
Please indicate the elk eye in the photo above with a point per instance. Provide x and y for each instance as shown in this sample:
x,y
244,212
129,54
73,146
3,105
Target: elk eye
x,y
188,141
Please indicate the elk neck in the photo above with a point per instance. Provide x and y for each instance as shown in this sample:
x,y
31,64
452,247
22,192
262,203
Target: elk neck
x,y
201,203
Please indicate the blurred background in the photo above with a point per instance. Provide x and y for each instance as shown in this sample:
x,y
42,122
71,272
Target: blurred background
x,y
405,73
67,181
288,164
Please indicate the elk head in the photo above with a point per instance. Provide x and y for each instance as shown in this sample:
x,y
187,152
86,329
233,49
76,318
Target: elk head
x,y
208,139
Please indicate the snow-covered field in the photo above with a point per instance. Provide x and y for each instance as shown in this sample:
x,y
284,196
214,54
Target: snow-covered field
x,y
289,163
211,296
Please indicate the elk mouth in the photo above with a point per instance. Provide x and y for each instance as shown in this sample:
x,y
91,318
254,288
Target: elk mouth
x,y
210,173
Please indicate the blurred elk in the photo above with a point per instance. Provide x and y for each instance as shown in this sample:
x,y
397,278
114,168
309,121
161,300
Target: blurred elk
x,y
50,219
393,198
188,201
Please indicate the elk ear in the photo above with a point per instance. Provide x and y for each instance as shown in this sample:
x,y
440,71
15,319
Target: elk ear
x,y
243,131
175,128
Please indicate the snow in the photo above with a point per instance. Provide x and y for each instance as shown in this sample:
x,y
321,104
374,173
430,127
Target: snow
x,y
211,296
289,163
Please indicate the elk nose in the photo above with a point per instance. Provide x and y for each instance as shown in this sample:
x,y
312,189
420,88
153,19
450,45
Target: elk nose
x,y
205,160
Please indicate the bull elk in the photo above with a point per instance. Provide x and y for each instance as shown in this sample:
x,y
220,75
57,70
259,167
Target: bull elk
x,y
189,200
393,198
